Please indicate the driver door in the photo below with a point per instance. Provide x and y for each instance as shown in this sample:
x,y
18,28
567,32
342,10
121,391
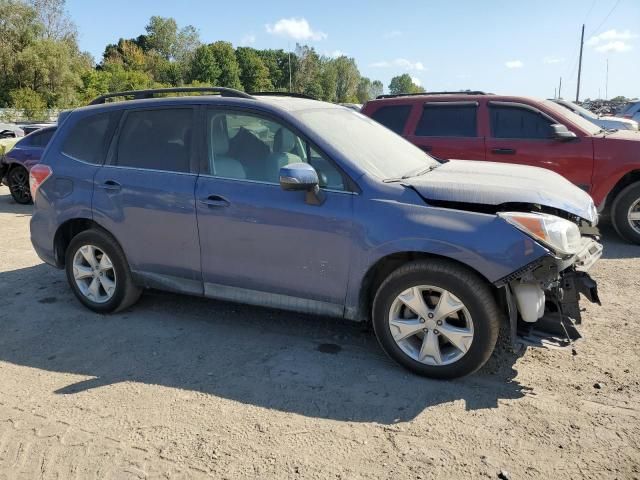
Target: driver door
x,y
259,243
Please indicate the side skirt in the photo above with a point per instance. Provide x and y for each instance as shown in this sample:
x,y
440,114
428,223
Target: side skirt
x,y
272,300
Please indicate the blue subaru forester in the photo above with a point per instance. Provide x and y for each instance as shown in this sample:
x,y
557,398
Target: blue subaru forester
x,y
292,203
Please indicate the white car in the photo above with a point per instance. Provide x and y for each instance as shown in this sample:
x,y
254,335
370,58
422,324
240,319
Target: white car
x,y
630,111
605,122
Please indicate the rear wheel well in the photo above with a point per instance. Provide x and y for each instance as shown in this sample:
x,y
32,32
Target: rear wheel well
x,y
383,268
624,182
65,234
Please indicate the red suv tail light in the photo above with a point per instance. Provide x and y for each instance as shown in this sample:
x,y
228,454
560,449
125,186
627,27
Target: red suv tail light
x,y
39,173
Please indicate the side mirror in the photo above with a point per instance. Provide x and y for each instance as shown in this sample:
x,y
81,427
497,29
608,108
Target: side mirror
x,y
302,177
561,132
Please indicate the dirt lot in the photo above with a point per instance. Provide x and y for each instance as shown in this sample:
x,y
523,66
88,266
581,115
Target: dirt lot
x,y
182,387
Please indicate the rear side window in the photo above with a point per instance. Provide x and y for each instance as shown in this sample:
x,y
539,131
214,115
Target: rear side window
x,y
393,117
515,122
156,140
89,138
41,139
448,120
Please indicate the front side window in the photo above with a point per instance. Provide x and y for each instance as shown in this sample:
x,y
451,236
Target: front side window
x,y
156,140
447,120
88,139
515,122
246,146
393,117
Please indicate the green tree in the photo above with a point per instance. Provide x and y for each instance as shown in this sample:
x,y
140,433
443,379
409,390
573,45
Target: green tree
x,y
329,79
55,20
280,64
254,74
376,88
164,37
203,67
307,76
347,79
403,84
19,28
229,68
363,92
29,102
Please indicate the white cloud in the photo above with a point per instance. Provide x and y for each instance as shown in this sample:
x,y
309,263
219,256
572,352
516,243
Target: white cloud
x,y
295,28
617,46
612,41
514,64
249,39
336,54
551,59
610,36
416,80
393,34
402,63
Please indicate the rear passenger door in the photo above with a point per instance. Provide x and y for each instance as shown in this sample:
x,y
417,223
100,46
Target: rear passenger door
x,y
394,117
449,130
144,195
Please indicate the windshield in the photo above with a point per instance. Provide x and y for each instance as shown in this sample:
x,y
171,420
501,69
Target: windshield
x,y
367,143
561,111
582,110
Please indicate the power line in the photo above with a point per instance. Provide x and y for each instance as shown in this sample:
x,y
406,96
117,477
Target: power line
x,y
597,30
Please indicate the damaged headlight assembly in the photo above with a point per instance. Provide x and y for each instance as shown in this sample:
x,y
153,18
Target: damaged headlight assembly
x,y
560,235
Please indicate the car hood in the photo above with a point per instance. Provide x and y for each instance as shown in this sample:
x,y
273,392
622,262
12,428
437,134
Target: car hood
x,y
488,183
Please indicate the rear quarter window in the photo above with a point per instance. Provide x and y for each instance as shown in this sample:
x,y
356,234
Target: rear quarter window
x,y
393,117
88,140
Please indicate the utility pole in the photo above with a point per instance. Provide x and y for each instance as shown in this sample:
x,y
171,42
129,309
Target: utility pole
x,y
606,85
555,91
580,65
560,89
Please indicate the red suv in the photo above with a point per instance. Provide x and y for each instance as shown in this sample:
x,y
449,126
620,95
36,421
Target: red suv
x,y
528,131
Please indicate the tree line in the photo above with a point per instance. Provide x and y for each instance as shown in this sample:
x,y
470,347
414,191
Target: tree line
x,y
42,66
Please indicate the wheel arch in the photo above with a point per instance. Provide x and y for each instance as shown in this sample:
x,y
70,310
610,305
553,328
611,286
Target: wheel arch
x,y
68,230
627,179
381,269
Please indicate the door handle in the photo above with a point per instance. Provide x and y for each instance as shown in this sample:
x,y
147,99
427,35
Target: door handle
x,y
111,186
215,201
504,151
426,148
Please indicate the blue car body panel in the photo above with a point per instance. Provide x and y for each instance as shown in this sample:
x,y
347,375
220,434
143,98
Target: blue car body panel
x,y
257,243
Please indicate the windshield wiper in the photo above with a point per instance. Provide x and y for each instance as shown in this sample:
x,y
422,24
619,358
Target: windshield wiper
x,y
411,174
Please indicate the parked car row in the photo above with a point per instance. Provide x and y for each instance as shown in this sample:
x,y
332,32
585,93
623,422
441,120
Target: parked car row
x,y
525,131
308,206
17,162
607,122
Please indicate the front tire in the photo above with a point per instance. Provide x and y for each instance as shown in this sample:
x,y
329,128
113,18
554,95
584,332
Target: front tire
x,y
18,181
98,272
625,213
436,318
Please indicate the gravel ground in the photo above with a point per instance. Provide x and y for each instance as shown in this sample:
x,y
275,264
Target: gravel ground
x,y
181,387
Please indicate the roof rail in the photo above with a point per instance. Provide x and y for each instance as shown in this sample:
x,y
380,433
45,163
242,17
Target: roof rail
x,y
284,94
463,92
139,94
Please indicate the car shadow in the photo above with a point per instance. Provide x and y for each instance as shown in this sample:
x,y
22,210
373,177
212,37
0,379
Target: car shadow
x,y
615,247
9,205
312,366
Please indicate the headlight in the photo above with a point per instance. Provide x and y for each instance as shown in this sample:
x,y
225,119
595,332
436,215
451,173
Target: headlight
x,y
561,235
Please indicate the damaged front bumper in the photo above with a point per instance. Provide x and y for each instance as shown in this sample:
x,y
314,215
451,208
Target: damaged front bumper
x,y
543,299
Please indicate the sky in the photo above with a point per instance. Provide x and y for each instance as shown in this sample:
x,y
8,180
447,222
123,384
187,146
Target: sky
x,y
502,46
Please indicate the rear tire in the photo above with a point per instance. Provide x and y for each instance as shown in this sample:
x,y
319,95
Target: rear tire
x,y
98,272
626,208
472,339
18,181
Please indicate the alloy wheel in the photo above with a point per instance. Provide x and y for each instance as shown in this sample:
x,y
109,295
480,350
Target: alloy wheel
x,y
633,215
94,274
431,325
